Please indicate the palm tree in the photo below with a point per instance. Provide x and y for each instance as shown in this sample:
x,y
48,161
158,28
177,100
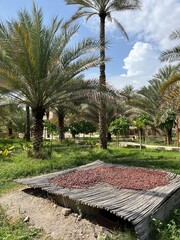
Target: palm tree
x,y
31,68
115,103
174,53
150,100
170,90
61,111
103,9
27,126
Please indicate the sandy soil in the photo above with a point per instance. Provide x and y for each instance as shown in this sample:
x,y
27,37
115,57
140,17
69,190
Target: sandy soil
x,y
44,213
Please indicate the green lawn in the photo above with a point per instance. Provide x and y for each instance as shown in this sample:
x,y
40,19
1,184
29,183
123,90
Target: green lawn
x,y
19,165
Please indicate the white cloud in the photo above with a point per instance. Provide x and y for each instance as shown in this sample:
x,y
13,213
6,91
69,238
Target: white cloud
x,y
141,60
141,63
154,22
151,28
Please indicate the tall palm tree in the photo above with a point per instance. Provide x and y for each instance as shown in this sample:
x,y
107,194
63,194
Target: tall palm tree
x,y
103,9
31,68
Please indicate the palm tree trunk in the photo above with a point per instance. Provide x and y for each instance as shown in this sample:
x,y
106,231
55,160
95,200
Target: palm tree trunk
x,y
38,129
27,133
140,137
168,137
61,127
177,131
10,130
102,86
109,137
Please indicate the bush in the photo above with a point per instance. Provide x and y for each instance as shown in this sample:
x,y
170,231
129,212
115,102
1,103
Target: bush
x,y
168,230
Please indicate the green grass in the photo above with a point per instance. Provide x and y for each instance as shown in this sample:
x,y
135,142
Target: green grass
x,y
17,230
19,165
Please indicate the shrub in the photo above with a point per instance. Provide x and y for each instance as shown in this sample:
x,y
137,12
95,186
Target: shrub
x,y
168,230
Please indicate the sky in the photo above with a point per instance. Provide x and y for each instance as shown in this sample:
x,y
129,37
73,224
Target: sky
x,y
132,62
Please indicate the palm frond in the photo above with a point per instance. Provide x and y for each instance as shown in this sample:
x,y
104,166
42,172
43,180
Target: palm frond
x,y
170,82
175,35
171,54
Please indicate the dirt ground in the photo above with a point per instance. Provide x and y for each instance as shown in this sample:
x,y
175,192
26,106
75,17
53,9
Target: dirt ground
x,y
42,212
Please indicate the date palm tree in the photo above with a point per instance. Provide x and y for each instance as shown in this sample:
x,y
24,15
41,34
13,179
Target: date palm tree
x,y
103,9
171,88
31,67
150,101
170,91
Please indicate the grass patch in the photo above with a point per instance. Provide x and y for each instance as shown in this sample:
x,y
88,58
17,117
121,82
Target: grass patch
x,y
17,230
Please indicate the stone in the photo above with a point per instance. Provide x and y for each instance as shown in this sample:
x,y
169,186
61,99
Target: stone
x,y
66,211
26,219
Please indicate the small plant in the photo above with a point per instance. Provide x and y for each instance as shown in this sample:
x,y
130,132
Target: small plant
x,y
168,230
68,142
6,151
91,142
26,146
45,151
79,208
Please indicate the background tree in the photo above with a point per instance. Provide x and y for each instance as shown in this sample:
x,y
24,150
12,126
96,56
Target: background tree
x,y
82,93
119,126
103,9
141,122
170,89
166,122
113,103
149,99
83,127
28,125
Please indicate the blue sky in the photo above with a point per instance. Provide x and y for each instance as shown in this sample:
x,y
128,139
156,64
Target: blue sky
x,y
132,62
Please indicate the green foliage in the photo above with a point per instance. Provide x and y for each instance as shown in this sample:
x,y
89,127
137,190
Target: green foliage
x,y
167,120
51,128
44,152
6,151
91,142
29,66
74,128
168,230
81,127
142,120
17,230
119,126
